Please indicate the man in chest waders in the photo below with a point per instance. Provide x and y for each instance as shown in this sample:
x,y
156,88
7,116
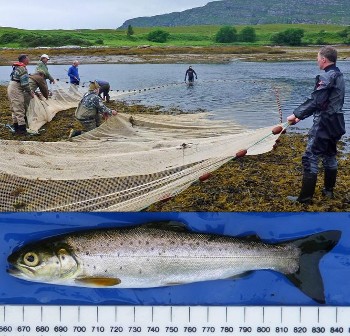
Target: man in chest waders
x,y
19,92
325,104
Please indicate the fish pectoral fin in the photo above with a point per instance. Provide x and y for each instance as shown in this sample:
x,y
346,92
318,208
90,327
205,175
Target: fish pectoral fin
x,y
100,282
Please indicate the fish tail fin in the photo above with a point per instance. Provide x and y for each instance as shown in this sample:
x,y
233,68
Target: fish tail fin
x,y
308,277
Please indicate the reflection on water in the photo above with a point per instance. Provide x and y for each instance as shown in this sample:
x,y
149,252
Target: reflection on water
x,y
241,91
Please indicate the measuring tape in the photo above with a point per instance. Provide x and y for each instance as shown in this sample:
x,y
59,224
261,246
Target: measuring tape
x,y
177,320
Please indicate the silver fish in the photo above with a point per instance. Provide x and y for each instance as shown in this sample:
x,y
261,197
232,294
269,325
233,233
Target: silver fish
x,y
163,254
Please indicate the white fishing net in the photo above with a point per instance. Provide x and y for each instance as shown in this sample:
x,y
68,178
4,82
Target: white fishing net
x,y
126,164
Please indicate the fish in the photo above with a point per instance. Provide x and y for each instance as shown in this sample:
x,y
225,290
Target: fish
x,y
167,253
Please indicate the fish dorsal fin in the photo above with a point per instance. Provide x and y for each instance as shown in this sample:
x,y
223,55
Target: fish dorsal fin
x,y
167,225
99,281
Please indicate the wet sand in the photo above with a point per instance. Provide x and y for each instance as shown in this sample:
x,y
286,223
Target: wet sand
x,y
169,54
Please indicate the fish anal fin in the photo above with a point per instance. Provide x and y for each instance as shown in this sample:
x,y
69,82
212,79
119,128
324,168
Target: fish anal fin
x,y
99,282
175,283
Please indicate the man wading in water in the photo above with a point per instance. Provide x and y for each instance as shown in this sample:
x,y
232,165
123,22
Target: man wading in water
x,y
325,105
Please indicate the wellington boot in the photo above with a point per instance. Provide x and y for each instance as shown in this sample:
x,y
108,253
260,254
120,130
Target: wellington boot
x,y
21,130
330,177
307,189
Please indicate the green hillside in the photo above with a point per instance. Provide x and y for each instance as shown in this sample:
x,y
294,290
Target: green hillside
x,y
252,12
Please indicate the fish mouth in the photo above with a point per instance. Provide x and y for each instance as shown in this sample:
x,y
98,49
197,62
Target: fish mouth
x,y
18,272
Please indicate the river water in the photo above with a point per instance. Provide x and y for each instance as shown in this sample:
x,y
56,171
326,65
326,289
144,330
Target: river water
x,y
245,92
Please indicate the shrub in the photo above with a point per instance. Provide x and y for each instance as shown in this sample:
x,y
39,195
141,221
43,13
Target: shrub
x,y
9,37
247,34
288,37
130,31
226,34
158,35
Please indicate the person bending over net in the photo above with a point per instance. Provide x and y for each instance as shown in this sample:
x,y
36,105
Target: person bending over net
x,y
90,110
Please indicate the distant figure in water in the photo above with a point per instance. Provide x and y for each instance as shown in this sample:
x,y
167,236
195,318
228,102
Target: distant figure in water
x,y
190,73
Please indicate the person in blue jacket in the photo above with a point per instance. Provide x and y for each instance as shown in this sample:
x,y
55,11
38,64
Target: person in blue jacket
x,y
73,73
326,106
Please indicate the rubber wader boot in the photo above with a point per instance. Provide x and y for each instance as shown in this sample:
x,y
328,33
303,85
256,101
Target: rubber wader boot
x,y
21,129
330,177
307,189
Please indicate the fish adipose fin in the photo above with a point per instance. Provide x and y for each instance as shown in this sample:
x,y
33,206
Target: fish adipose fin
x,y
308,277
101,282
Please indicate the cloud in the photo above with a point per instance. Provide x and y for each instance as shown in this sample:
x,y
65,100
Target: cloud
x,y
90,14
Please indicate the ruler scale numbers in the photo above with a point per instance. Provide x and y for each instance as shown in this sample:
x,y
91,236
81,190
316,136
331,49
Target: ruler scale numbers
x,y
173,320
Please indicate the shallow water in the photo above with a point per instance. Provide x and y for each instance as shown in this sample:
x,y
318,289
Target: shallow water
x,y
246,92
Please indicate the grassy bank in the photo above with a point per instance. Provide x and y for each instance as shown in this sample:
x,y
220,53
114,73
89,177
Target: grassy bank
x,y
251,183
178,36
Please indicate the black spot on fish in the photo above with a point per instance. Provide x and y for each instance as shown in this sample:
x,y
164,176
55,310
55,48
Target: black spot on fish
x,y
147,242
94,267
140,271
87,253
121,267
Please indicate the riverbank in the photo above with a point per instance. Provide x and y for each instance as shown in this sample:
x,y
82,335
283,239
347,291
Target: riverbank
x,y
168,54
251,183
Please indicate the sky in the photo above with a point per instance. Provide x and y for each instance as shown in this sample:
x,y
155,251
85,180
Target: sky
x,y
89,14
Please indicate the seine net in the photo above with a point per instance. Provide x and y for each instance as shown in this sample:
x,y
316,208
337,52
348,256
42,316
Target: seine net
x,y
126,164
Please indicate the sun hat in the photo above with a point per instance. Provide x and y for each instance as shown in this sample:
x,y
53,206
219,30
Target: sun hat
x,y
93,86
44,56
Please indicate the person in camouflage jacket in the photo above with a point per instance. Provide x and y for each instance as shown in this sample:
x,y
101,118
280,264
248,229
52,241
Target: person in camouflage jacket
x,y
91,109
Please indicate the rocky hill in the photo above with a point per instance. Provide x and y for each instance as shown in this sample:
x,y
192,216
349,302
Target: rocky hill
x,y
252,12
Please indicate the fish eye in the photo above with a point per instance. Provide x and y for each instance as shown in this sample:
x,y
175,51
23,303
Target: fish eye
x,y
31,259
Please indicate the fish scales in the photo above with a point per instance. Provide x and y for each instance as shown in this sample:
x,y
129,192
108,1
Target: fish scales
x,y
142,257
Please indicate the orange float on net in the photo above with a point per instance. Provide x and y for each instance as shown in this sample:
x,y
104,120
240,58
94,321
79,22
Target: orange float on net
x,y
277,130
205,177
241,153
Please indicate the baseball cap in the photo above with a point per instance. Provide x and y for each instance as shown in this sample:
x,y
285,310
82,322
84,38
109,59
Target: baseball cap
x,y
44,56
